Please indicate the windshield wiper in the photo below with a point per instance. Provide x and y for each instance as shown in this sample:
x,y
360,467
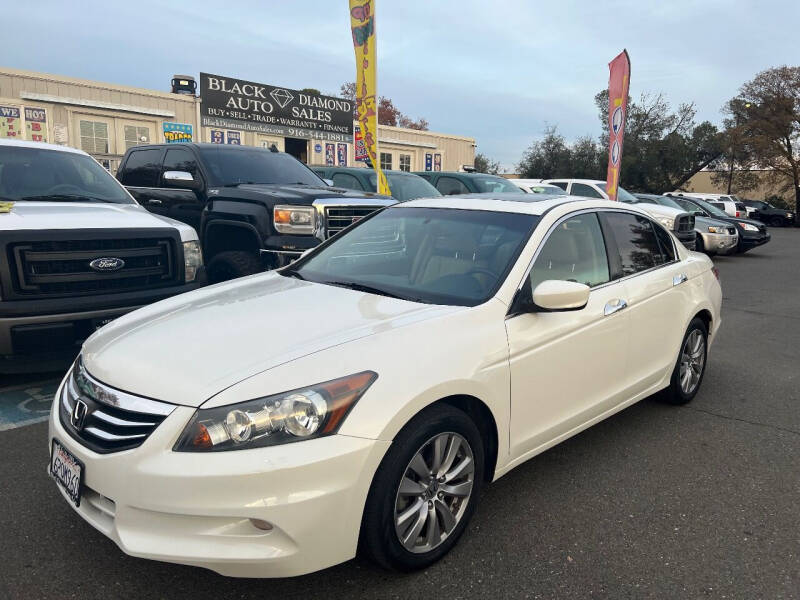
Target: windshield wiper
x,y
369,289
292,273
66,198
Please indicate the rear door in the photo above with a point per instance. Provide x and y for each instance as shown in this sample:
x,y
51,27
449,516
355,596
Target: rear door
x,y
646,262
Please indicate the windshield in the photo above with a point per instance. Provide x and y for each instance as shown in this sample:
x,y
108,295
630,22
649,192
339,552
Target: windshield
x,y
712,210
28,174
489,183
546,189
667,201
406,187
232,166
429,255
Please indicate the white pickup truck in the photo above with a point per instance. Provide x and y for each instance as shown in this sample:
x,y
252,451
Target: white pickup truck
x,y
77,251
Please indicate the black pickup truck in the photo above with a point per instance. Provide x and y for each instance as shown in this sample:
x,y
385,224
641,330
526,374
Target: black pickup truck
x,y
253,208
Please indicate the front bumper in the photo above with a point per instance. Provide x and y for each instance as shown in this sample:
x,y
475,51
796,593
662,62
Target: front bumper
x,y
196,509
44,335
753,241
719,243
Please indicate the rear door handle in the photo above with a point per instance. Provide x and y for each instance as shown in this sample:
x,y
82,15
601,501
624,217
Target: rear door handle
x,y
154,201
613,306
679,279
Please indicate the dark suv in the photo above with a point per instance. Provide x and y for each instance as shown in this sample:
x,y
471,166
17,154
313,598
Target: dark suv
x,y
253,208
771,215
404,186
455,182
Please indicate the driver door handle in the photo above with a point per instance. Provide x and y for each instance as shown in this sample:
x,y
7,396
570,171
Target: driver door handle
x,y
615,305
679,279
154,201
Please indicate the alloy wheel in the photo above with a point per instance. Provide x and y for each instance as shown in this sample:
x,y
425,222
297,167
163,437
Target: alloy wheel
x,y
693,358
434,492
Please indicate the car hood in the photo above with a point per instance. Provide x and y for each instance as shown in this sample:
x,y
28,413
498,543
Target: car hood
x,y
705,222
31,215
730,219
302,194
186,349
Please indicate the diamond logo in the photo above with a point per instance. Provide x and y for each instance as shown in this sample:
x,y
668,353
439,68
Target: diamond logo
x,y
615,152
282,97
616,120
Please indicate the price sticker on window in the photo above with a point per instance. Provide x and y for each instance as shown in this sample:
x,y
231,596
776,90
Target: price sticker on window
x,y
5,207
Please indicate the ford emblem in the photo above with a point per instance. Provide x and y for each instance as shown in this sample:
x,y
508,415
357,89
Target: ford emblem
x,y
107,264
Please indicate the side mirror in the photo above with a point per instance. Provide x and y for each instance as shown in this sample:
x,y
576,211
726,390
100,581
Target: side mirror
x,y
554,295
180,179
328,182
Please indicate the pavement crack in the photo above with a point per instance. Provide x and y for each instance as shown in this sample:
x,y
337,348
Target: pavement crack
x,y
729,418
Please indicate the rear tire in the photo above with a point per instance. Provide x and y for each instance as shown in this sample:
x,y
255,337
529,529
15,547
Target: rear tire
x,y
417,508
776,222
687,376
230,265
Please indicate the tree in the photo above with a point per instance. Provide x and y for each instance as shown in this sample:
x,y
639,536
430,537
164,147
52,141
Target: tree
x,y
734,169
552,157
662,148
484,164
388,113
769,116
313,91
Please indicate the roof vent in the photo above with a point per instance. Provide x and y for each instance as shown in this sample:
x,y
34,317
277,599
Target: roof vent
x,y
184,84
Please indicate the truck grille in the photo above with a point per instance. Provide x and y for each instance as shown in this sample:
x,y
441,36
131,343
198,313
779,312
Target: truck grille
x,y
340,217
684,223
107,420
62,267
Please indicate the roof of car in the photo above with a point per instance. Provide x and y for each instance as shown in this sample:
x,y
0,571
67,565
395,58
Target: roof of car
x,y
533,204
457,174
40,145
573,180
363,170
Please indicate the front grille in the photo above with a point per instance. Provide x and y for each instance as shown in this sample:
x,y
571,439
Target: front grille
x,y
108,420
60,268
684,223
340,217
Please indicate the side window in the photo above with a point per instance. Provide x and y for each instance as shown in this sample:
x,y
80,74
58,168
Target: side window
x,y
636,240
346,180
666,244
718,205
178,159
450,185
581,189
141,168
574,251
561,184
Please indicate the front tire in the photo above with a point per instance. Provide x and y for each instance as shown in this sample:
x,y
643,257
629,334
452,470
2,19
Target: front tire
x,y
232,264
776,222
425,490
691,365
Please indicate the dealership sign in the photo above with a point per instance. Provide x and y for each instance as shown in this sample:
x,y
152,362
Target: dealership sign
x,y
236,104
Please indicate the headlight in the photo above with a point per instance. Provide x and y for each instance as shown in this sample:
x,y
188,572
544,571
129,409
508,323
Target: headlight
x,y
717,229
748,227
788,215
192,260
302,414
294,219
667,222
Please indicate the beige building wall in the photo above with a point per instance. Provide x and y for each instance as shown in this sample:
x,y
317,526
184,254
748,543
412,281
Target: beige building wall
x,y
105,120
702,182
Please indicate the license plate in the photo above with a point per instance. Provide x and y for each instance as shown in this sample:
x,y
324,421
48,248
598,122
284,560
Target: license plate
x,y
67,471
98,323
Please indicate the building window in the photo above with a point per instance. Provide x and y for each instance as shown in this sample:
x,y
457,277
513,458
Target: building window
x,y
136,135
405,162
386,161
94,137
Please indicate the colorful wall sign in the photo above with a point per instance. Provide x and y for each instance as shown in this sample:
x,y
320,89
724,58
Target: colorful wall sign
x,y
10,122
36,124
619,80
428,161
217,136
437,162
359,149
330,154
177,132
235,138
341,154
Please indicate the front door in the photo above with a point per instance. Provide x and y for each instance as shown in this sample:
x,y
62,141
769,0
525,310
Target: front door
x,y
183,204
566,367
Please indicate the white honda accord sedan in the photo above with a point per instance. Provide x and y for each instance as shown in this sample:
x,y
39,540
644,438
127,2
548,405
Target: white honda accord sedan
x,y
362,397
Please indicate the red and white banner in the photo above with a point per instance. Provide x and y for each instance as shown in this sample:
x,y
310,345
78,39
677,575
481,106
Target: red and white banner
x,y
619,80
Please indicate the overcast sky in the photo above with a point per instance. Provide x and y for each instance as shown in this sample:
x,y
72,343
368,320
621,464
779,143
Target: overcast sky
x,y
497,71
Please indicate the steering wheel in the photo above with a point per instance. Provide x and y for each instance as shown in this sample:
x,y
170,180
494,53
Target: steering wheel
x,y
65,188
480,270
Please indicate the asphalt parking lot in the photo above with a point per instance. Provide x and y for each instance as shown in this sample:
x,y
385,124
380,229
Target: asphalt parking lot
x,y
656,502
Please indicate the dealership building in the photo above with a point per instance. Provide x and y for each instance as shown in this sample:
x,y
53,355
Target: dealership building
x,y
105,120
